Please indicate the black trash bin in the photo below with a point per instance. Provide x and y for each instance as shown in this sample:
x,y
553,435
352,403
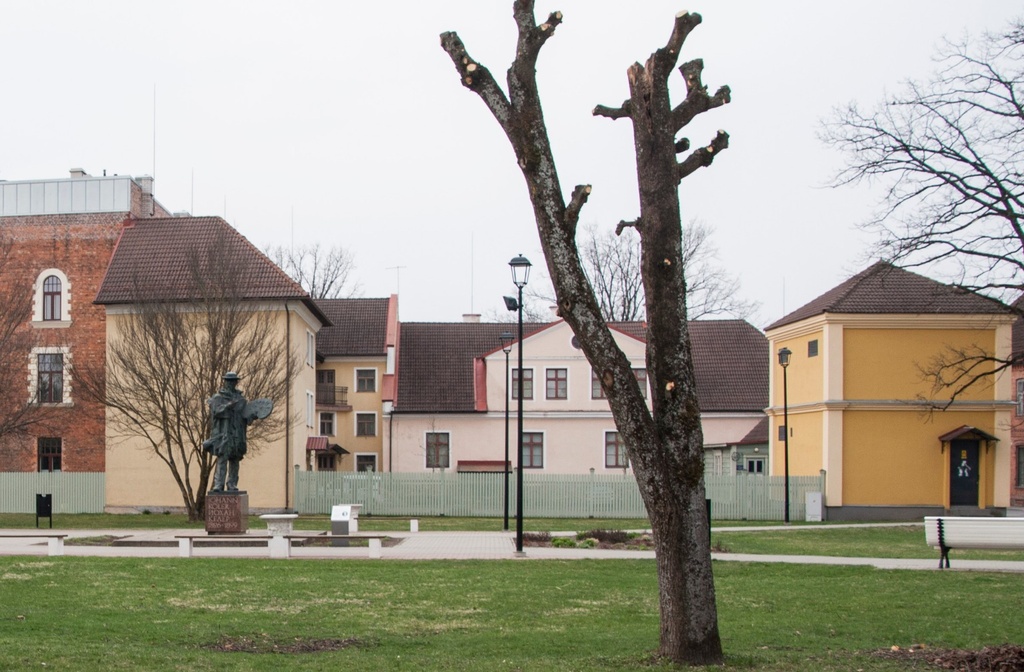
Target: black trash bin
x,y
44,508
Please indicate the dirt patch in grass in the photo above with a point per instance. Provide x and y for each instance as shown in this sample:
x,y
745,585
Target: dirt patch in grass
x,y
263,644
1003,658
102,540
602,539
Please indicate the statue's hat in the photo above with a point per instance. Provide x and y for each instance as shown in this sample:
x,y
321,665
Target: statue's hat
x,y
231,375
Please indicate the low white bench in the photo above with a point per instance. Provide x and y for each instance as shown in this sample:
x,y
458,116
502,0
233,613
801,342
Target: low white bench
x,y
279,546
947,532
54,540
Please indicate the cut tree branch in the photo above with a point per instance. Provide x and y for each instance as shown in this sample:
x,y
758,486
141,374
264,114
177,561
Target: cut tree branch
x,y
572,212
702,156
697,98
614,112
476,77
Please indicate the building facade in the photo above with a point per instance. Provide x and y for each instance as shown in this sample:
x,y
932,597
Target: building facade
x,y
57,236
863,408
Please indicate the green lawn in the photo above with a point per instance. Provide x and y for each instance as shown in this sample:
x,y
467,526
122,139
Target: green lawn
x,y
171,614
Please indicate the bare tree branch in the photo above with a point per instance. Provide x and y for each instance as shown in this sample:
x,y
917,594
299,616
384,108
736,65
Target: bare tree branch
x,y
326,273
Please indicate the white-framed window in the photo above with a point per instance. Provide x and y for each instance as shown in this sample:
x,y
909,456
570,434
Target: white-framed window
x,y
310,409
527,383
1020,397
366,424
310,348
326,423
614,451
556,383
49,377
49,450
366,462
51,305
438,450
533,450
366,380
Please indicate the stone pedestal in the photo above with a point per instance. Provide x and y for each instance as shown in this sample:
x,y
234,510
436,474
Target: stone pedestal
x,y
278,526
227,512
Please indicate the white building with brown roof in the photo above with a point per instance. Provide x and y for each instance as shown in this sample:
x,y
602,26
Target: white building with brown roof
x,y
449,413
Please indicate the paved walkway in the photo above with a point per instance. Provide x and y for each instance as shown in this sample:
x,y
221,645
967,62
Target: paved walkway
x,y
434,546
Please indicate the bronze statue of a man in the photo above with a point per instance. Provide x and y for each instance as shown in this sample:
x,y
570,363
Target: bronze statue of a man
x,y
231,416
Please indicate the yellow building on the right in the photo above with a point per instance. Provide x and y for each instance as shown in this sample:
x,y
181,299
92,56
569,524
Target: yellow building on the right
x,y
864,407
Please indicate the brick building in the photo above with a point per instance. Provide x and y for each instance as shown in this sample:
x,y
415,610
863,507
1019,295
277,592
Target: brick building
x,y
58,236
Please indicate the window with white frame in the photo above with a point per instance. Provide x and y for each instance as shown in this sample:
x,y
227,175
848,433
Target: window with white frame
x,y
366,424
556,383
326,424
438,450
49,375
51,305
310,348
527,383
1020,397
50,449
533,450
310,409
614,451
366,380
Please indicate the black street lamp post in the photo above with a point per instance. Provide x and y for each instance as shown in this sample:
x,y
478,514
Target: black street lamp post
x,y
506,347
520,266
784,355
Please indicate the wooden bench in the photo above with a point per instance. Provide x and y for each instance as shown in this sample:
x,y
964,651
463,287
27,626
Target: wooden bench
x,y
54,540
279,546
948,532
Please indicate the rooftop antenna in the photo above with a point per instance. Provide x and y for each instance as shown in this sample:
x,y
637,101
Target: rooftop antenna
x,y
398,277
472,269
154,132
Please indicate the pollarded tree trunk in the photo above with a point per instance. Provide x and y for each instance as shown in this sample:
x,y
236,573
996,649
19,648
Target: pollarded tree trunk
x,y
665,443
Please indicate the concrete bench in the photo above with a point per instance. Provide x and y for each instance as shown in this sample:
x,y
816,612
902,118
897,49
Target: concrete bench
x,y
373,539
54,540
278,546
947,532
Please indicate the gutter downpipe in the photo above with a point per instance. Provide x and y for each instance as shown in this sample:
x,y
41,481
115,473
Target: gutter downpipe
x,y
287,402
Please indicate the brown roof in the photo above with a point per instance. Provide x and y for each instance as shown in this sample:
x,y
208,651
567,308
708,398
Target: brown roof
x,y
435,363
758,434
359,327
885,289
171,259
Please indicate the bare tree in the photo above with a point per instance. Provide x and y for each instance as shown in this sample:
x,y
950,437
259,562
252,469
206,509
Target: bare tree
x,y
17,411
949,155
612,264
326,273
664,443
166,358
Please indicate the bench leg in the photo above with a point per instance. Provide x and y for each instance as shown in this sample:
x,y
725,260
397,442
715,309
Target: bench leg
x,y
375,548
944,557
55,546
184,548
280,547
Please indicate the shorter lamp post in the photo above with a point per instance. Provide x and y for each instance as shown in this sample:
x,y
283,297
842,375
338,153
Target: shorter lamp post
x,y
784,355
506,347
520,266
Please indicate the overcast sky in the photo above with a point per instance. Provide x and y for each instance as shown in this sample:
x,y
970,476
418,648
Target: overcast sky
x,y
345,124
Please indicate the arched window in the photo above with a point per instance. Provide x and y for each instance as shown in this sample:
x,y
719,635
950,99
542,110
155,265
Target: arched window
x,y
51,303
51,298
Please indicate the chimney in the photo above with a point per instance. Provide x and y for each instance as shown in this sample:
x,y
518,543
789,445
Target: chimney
x,y
471,318
145,183
78,173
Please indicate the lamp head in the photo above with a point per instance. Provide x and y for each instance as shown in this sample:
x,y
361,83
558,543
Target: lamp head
x,y
506,341
784,355
511,303
520,270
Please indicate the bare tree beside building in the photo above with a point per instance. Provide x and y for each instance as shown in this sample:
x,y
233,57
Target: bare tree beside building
x,y
947,153
664,443
169,348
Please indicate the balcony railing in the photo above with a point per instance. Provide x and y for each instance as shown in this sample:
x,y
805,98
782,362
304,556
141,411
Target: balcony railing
x,y
331,395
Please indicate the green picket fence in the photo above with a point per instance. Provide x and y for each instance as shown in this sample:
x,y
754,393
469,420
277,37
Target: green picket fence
x,y
73,492
740,497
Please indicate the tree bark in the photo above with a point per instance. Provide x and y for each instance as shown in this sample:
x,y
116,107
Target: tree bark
x,y
665,442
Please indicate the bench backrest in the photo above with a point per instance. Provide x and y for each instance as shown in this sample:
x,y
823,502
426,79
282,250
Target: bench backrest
x,y
967,532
